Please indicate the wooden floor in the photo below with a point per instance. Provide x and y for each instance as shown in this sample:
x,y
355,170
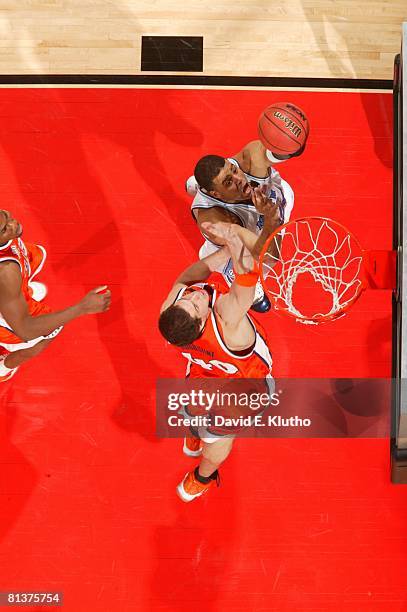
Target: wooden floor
x,y
293,38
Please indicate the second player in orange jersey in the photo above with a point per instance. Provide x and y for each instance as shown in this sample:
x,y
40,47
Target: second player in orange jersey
x,y
27,325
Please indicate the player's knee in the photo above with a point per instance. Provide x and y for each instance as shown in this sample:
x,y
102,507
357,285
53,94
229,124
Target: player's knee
x,y
35,350
191,186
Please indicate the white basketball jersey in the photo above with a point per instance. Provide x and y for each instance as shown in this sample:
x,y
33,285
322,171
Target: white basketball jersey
x,y
246,211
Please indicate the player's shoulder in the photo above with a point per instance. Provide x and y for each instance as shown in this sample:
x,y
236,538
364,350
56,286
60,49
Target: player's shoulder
x,y
205,201
9,268
199,198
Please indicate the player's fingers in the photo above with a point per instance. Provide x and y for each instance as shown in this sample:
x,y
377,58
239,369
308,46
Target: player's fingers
x,y
271,209
216,229
256,196
210,227
272,205
105,304
262,196
99,289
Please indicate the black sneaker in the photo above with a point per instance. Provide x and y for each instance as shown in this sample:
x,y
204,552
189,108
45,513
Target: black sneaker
x,y
261,302
261,305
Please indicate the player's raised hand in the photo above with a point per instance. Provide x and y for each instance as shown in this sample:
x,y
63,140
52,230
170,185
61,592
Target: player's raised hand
x,y
270,209
221,230
229,232
264,205
97,300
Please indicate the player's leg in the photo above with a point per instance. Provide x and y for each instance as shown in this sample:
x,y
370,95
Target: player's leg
x,y
214,452
16,358
213,455
14,350
289,198
13,355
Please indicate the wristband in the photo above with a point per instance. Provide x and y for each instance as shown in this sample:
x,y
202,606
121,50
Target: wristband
x,y
249,279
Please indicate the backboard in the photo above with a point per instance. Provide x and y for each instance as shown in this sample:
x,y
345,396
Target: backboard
x,y
399,388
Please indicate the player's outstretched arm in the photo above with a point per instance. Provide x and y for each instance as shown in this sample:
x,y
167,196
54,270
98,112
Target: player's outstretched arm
x,y
253,242
14,308
255,154
252,151
271,214
198,272
244,156
233,306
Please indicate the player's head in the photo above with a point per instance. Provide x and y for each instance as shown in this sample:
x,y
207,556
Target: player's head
x,y
183,322
221,179
10,228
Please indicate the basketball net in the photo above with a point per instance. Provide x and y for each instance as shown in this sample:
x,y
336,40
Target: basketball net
x,y
314,269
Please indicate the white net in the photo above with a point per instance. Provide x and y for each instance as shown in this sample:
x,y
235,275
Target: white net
x,y
312,269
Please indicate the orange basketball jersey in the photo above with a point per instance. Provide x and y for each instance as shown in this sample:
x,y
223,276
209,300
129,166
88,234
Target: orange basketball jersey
x,y
209,356
30,258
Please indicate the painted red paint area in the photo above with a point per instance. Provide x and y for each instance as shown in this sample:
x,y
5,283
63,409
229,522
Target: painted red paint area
x,y
87,489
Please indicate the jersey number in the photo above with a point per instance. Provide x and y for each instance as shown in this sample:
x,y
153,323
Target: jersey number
x,y
228,368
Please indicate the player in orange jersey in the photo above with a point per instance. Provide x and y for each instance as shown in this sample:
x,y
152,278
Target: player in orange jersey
x,y
216,335
27,325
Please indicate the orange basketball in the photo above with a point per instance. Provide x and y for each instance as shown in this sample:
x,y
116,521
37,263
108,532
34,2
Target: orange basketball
x,y
283,128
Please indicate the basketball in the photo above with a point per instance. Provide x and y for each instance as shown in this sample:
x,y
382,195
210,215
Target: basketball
x,y
283,128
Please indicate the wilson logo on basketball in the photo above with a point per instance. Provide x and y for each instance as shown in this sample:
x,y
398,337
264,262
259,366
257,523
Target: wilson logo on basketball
x,y
297,111
290,125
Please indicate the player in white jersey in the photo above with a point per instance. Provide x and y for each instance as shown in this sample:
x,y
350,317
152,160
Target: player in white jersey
x,y
224,190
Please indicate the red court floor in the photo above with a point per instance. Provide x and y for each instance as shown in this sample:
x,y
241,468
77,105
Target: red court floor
x,y
88,502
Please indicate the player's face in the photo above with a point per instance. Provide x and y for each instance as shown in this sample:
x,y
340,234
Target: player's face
x,y
196,303
231,185
9,227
